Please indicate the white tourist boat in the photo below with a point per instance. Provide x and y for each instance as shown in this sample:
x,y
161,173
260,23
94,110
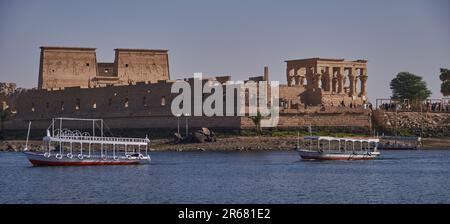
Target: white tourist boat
x,y
331,148
64,147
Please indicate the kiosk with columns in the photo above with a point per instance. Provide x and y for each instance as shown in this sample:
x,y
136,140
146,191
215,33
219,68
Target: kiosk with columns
x,y
329,81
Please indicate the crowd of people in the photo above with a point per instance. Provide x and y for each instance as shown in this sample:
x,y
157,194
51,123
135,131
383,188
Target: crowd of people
x,y
395,107
342,104
426,106
391,106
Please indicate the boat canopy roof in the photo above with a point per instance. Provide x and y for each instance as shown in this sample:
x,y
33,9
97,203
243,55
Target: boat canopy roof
x,y
76,119
329,138
98,140
61,134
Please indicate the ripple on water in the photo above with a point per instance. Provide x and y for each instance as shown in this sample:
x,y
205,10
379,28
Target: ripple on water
x,y
233,177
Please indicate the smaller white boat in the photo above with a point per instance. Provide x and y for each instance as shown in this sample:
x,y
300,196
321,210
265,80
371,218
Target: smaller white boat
x,y
331,148
400,143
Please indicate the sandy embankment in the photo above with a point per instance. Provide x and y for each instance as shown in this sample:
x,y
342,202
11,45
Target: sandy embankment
x,y
223,144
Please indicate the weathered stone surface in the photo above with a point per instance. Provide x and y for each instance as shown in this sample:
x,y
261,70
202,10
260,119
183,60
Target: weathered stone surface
x,y
324,79
432,124
62,67
134,92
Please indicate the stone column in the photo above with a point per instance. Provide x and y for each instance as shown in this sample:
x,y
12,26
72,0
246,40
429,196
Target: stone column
x,y
329,79
352,79
294,75
289,76
333,85
297,80
340,79
317,80
363,79
309,78
266,73
355,84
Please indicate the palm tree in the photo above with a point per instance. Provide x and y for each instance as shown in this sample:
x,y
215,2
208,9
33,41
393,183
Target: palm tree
x,y
257,121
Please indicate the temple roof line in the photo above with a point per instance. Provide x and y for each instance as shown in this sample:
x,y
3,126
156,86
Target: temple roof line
x,y
325,59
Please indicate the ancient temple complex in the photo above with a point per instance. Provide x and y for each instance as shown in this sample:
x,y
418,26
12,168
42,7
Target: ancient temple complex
x,y
134,91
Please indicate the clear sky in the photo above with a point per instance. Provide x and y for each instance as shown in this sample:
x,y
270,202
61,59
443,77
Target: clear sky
x,y
235,38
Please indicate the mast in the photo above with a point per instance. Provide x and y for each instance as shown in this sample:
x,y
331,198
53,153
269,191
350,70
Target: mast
x,y
101,127
421,119
395,139
28,135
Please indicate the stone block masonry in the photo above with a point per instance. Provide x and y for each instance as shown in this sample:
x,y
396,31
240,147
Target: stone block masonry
x,y
134,92
62,67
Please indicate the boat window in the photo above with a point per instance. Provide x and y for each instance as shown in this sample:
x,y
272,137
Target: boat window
x,y
144,101
77,104
32,107
163,101
62,105
125,103
94,105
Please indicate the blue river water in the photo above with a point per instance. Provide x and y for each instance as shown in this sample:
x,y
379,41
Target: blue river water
x,y
234,177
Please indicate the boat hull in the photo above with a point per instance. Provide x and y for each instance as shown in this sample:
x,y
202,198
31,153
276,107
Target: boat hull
x,y
43,160
315,155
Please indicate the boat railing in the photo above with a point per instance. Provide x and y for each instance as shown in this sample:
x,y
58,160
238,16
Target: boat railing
x,y
75,135
106,139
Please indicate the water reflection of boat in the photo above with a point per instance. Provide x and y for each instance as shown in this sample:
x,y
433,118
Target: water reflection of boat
x,y
331,148
400,143
64,147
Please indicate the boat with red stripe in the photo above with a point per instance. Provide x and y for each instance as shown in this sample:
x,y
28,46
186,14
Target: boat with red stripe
x,y
332,148
66,147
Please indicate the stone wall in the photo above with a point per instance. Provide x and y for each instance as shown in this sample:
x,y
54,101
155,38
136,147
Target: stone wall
x,y
293,121
148,105
431,124
138,122
111,101
330,99
291,96
143,105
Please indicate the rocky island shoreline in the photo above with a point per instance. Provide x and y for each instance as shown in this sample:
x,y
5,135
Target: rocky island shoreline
x,y
241,143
